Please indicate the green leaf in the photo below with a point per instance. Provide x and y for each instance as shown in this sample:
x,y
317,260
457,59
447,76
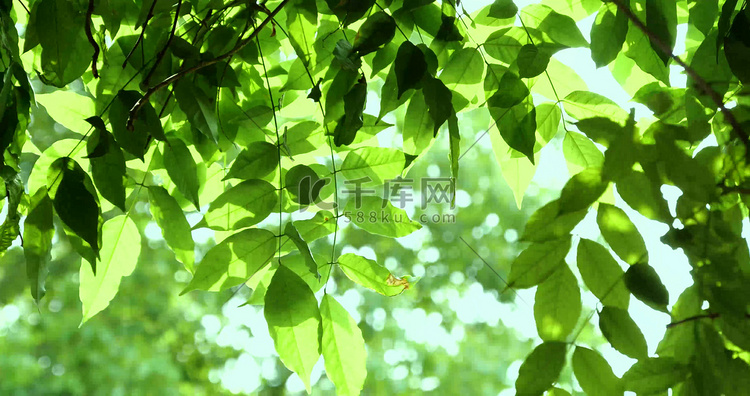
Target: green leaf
x,y
560,28
601,274
541,368
377,30
378,216
66,53
419,126
119,254
621,234
640,50
548,116
174,225
654,375
580,152
661,21
517,126
643,195
727,10
198,107
351,122
243,205
291,231
531,61
233,260
75,201
303,184
594,373
372,275
557,305
644,283
438,99
410,65
68,108
537,262
465,66
448,30
343,348
736,328
133,141
582,190
38,231
511,91
549,222
182,169
293,321
608,33
254,162
301,23
301,138
622,332
585,104
503,9
107,167
322,224
378,164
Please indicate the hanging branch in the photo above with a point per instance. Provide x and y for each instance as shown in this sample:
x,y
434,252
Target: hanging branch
x,y
90,36
164,49
140,36
175,77
700,81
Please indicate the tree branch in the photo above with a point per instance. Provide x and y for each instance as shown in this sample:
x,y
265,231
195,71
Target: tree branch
x,y
164,49
175,77
700,81
143,31
711,316
90,36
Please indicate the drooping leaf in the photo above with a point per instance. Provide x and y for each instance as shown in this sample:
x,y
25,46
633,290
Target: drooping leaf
x,y
38,231
511,91
133,141
254,162
301,22
661,20
121,243
602,275
644,283
419,126
438,99
378,216
174,225
372,275
343,348
517,126
531,61
66,53
725,19
198,107
557,305
541,368
243,205
107,167
233,260
622,332
608,33
621,234
75,201
594,373
653,375
293,321
291,231
182,169
537,262
377,30
410,65
351,122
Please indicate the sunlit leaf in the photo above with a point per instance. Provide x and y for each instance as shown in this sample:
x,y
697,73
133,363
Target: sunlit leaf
x,y
372,275
653,375
602,275
378,216
608,33
557,305
622,332
293,321
182,169
621,234
541,368
241,206
254,162
594,373
343,348
537,262
174,226
38,231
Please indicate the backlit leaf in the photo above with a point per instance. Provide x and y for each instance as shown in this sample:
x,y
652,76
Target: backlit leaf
x,y
182,169
254,162
621,234
602,275
594,373
174,226
372,275
541,368
557,305
343,348
622,332
537,262
241,206
644,283
38,231
653,375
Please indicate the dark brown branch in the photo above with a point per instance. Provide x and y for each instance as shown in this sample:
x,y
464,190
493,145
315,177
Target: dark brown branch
x,y
143,31
711,316
175,77
163,51
90,36
700,81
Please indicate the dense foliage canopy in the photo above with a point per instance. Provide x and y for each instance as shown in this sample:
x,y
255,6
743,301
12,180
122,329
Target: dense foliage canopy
x,y
265,124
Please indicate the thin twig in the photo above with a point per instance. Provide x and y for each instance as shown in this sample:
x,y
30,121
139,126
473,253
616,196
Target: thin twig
x,y
143,32
24,6
711,316
90,36
169,80
702,84
164,49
